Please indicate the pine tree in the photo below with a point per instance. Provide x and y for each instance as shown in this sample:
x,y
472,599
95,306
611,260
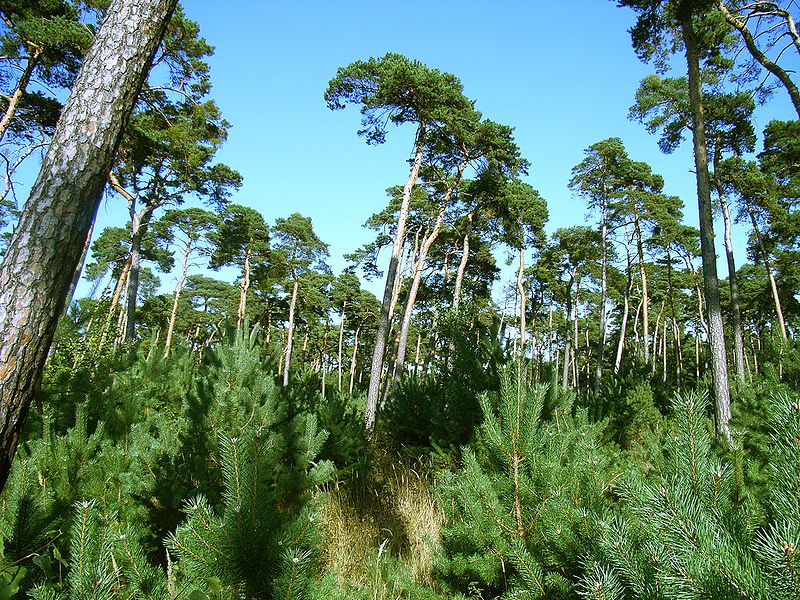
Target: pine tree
x,y
519,510
686,531
261,541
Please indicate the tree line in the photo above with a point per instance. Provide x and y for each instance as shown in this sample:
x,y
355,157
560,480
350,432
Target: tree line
x,y
638,289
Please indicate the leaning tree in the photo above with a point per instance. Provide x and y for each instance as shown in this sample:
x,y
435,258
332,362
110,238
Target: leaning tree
x,y
49,239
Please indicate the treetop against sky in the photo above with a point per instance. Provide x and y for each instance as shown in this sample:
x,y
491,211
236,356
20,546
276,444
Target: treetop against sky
x,y
564,78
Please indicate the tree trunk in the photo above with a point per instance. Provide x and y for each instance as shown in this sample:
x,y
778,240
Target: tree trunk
x,y
645,298
22,85
462,266
353,360
47,242
416,280
719,365
522,303
655,337
765,257
601,335
244,286
417,269
624,325
391,274
176,298
139,223
341,341
290,333
76,276
736,314
781,74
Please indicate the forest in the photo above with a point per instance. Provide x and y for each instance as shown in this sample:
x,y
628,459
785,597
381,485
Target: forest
x,y
608,410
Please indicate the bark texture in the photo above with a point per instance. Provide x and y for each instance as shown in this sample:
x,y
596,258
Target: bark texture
x,y
49,238
376,371
719,364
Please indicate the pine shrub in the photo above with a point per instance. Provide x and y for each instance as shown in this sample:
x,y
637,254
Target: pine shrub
x,y
684,530
519,511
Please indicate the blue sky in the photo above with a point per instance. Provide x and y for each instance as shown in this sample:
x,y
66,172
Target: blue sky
x,y
563,74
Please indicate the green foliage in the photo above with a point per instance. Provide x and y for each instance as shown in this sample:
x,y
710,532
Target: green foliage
x,y
518,513
683,530
263,541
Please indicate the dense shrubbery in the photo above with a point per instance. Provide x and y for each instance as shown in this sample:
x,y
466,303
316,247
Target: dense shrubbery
x,y
200,477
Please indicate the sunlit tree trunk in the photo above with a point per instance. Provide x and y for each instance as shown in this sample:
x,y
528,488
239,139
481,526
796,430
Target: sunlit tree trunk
x,y
13,101
290,333
645,298
767,266
47,243
623,326
341,341
601,335
719,364
244,287
353,360
178,289
376,370
462,265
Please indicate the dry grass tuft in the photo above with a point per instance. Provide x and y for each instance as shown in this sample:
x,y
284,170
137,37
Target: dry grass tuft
x,y
382,527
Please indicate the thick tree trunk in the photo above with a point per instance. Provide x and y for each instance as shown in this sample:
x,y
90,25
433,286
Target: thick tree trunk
x,y
48,240
376,370
177,296
290,333
719,365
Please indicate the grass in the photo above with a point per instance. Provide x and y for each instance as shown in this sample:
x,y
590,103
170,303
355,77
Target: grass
x,y
382,531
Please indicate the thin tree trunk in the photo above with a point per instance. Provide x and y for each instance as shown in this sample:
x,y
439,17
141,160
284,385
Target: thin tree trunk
x,y
664,353
655,336
290,333
601,335
522,303
462,266
417,269
417,353
353,360
178,289
22,85
76,277
765,258
244,286
780,73
719,364
391,274
625,313
341,341
736,314
139,223
47,242
645,297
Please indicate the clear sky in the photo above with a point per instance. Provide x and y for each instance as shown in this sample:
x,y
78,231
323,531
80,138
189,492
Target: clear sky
x,y
563,74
